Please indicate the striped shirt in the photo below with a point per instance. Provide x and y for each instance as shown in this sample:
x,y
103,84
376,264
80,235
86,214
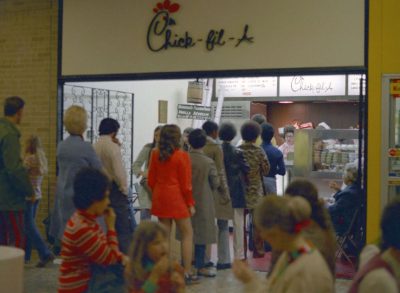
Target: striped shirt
x,y
84,243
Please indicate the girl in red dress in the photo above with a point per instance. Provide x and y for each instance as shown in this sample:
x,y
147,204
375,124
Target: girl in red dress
x,y
170,180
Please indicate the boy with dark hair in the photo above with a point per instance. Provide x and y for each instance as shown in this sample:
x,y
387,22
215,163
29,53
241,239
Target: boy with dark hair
x,y
211,128
108,126
84,243
109,152
15,186
223,206
275,158
204,182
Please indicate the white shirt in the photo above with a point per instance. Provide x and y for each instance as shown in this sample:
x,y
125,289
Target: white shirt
x,y
110,156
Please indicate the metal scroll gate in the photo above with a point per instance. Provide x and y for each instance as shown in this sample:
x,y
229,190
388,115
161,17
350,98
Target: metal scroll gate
x,y
99,104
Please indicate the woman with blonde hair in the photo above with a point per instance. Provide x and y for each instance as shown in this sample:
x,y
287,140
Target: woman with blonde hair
x,y
300,267
170,180
73,154
36,163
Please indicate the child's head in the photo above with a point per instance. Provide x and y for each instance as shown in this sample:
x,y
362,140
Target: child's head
x,y
33,143
91,190
149,245
280,219
197,138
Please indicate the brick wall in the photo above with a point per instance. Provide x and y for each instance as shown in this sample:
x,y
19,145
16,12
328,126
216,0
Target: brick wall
x,y
28,68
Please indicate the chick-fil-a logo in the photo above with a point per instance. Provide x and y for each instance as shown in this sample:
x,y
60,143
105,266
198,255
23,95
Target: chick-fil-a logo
x,y
160,34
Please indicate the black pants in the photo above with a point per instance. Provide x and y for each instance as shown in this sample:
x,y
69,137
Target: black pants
x,y
123,226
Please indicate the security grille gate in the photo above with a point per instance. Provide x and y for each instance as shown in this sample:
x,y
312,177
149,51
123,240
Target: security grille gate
x,y
99,104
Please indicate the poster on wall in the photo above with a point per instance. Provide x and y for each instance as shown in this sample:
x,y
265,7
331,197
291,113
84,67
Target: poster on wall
x,y
163,36
187,111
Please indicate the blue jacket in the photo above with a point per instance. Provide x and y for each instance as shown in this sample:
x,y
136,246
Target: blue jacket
x,y
342,211
275,158
73,154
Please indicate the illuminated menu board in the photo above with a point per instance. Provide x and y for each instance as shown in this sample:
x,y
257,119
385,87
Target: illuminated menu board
x,y
248,87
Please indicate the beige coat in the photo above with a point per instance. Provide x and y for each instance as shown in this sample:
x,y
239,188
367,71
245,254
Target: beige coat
x,y
204,181
223,205
307,274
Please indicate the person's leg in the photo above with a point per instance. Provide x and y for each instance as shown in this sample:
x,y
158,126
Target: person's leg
x,y
270,185
199,253
258,242
4,228
185,227
168,225
33,237
28,217
17,231
224,255
238,233
120,204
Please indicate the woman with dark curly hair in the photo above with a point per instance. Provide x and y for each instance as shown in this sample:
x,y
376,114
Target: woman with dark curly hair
x,y
170,180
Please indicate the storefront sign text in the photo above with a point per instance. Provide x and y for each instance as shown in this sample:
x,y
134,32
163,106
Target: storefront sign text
x,y
324,85
161,36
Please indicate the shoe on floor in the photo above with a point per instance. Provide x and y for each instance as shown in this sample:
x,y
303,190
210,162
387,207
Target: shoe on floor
x,y
42,263
191,279
223,266
206,272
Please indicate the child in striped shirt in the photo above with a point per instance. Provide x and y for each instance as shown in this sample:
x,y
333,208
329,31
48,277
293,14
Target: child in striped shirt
x,y
84,243
150,269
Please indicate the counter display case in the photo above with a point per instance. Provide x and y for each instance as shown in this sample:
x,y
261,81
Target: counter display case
x,y
324,153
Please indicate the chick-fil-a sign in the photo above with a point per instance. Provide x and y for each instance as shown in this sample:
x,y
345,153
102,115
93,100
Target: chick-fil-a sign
x,y
161,35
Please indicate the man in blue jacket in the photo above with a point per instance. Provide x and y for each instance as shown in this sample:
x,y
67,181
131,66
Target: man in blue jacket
x,y
15,186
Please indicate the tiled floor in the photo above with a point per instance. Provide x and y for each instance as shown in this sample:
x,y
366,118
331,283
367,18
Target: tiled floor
x,y
45,281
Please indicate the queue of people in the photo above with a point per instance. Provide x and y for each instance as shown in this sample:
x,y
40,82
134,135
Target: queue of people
x,y
199,188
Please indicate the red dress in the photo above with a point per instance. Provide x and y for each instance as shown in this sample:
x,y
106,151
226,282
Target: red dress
x,y
171,184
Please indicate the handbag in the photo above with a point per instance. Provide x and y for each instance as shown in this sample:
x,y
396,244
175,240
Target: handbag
x,y
145,186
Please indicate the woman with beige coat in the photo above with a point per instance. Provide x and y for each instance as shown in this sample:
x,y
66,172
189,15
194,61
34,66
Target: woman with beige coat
x,y
222,202
140,169
301,267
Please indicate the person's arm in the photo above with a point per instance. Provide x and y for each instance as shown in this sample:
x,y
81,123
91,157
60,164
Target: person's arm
x,y
219,163
281,170
213,177
343,203
100,250
92,158
119,170
185,179
264,163
13,166
251,282
140,161
152,172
